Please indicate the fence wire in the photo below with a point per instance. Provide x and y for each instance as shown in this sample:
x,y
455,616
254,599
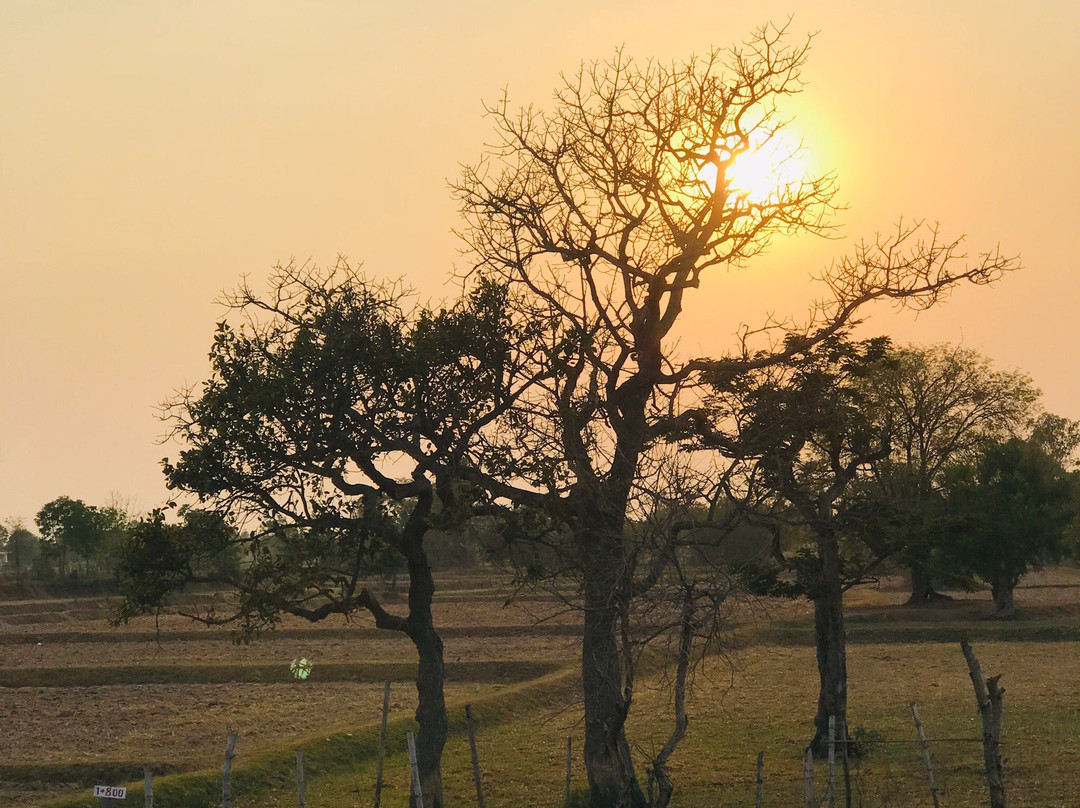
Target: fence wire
x,y
892,773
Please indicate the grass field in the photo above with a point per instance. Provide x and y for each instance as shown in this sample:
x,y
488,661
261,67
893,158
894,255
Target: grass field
x,y
82,702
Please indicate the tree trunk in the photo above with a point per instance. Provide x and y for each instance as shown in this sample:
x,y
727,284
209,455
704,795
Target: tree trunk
x,y
1002,592
608,764
430,716
430,672
430,676
831,643
922,586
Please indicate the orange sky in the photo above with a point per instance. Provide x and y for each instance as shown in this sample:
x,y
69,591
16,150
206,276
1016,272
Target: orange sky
x,y
153,151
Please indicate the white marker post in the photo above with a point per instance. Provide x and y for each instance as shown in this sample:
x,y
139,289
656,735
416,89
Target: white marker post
x,y
109,793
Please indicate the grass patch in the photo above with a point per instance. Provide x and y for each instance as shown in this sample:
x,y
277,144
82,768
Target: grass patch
x,y
486,672
863,631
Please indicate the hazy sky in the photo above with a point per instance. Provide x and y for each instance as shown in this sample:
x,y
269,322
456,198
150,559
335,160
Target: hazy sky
x,y
153,151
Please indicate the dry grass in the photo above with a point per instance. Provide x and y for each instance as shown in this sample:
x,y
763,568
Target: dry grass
x,y
183,724
762,700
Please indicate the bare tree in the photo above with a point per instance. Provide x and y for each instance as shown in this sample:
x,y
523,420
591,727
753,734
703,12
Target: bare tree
x,y
608,210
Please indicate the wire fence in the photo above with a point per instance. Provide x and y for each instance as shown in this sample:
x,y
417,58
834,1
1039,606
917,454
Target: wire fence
x,y
892,773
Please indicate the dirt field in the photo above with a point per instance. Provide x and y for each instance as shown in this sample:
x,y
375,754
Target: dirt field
x,y
182,726
55,738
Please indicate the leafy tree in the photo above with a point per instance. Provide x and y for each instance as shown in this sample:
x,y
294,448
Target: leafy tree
x,y
606,211
70,526
159,558
23,549
945,403
807,432
1012,508
1057,436
330,430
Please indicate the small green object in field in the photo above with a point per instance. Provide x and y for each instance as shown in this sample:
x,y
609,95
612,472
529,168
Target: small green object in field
x,y
300,668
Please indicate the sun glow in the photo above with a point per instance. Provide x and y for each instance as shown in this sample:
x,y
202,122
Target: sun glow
x,y
771,167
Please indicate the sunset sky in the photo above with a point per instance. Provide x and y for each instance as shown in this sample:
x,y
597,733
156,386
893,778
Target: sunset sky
x,y
154,151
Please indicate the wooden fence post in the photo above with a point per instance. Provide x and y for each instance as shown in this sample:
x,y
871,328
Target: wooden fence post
x,y
759,796
417,793
382,743
569,758
988,696
226,774
472,751
832,761
926,753
845,743
148,787
808,778
300,776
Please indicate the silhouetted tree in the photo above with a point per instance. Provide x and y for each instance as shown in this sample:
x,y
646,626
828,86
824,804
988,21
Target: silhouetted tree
x,y
807,431
330,431
606,211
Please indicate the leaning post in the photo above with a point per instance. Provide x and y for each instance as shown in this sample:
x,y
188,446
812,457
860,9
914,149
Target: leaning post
x,y
926,754
988,697
417,793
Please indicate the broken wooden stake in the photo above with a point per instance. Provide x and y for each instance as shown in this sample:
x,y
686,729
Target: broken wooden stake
x,y
988,697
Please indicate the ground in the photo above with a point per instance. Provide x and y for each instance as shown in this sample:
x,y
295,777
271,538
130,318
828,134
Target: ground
x,y
167,695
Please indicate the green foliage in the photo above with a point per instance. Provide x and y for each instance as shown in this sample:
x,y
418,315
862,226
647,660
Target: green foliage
x,y
944,404
1058,437
331,410
867,741
1011,512
23,550
159,558
806,433
70,526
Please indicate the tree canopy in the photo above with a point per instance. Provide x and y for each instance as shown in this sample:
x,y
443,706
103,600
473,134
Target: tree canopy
x,y
330,433
945,403
1010,511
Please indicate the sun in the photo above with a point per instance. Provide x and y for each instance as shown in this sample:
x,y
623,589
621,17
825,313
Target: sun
x,y
772,165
